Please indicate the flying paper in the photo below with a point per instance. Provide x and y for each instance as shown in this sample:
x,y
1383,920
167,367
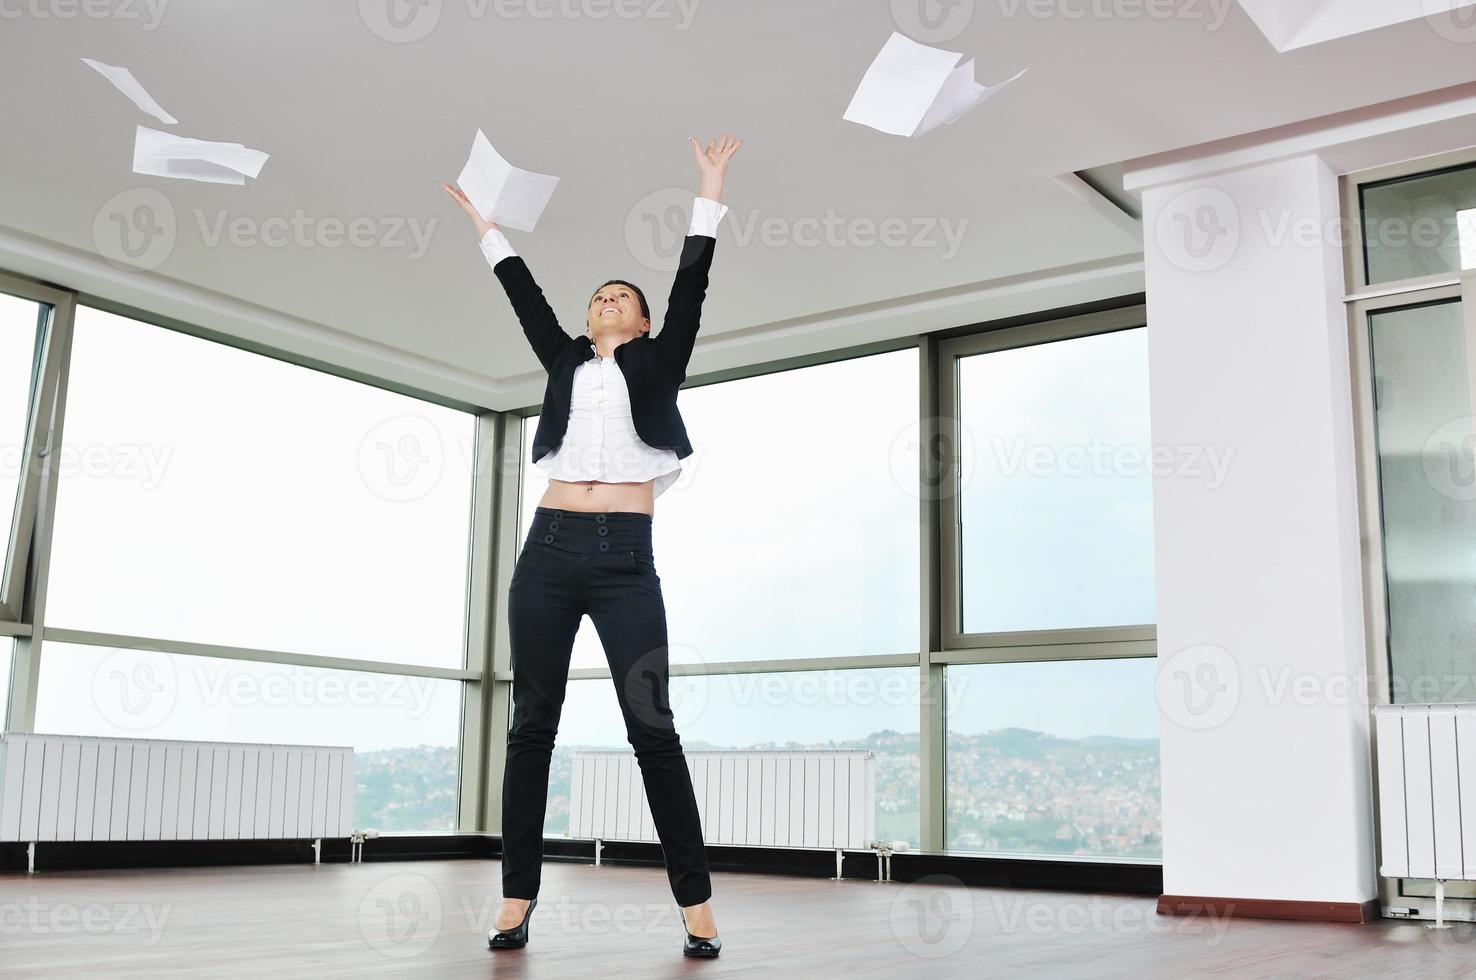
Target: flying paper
x,y
1289,25
124,82
166,155
911,88
502,193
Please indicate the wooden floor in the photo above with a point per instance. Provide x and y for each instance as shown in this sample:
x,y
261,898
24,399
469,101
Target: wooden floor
x,y
430,918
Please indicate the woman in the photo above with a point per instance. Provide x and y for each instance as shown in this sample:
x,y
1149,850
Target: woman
x,y
610,439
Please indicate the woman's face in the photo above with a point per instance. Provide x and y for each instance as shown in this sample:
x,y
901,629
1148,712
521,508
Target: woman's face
x,y
615,312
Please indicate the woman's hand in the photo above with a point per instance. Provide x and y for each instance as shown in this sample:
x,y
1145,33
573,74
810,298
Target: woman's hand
x,y
482,225
712,164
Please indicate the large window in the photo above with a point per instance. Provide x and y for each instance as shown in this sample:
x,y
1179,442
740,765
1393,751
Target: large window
x,y
770,552
1414,349
246,549
1419,225
873,709
1055,493
211,499
1054,758
1052,722
793,532
1421,359
404,730
214,495
785,549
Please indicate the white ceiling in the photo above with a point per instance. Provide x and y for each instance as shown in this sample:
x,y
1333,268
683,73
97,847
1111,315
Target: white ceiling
x,y
360,127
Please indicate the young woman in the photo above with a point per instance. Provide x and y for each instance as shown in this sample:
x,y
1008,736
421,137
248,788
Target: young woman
x,y
610,439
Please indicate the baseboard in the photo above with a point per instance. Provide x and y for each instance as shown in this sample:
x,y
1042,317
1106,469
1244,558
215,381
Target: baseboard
x,y
1269,908
1063,874
99,855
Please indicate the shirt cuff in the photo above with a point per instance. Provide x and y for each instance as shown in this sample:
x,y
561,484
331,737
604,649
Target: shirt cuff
x,y
706,213
496,247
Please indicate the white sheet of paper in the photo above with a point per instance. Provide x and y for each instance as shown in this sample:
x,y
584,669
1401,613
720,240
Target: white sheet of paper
x,y
911,88
900,85
502,193
160,154
960,94
124,82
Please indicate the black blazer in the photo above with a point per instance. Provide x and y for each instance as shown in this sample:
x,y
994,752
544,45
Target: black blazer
x,y
653,367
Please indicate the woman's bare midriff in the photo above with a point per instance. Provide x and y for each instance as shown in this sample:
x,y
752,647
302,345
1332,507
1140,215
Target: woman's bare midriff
x,y
597,496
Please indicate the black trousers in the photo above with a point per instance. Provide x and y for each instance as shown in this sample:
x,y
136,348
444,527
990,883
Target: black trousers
x,y
600,563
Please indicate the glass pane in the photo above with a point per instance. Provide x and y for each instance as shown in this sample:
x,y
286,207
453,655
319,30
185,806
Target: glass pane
x,y
815,540
404,730
19,322
825,709
1415,226
1426,439
214,495
1056,491
7,648
1055,758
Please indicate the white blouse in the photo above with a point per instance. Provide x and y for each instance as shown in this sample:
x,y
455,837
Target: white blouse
x,y
601,442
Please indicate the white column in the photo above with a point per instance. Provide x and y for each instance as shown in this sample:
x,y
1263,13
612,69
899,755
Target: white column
x,y
1264,718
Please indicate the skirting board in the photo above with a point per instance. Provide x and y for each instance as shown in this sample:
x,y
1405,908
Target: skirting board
x,y
1270,908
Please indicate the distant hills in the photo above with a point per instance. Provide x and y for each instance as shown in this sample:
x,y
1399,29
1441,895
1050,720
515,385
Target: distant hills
x,y
1011,790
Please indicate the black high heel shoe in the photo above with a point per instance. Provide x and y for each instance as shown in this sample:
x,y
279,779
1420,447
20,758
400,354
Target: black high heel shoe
x,y
514,938
697,945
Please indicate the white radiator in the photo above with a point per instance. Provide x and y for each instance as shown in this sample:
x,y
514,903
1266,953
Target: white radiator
x,y
822,798
1427,792
83,788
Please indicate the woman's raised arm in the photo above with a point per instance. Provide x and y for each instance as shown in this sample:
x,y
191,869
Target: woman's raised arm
x,y
684,306
540,325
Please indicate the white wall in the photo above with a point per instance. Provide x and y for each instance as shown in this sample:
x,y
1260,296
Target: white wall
x,y
1265,750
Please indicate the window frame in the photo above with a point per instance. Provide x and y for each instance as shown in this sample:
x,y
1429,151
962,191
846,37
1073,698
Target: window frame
x,y
31,630
486,674
1362,302
1076,643
1355,248
53,337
